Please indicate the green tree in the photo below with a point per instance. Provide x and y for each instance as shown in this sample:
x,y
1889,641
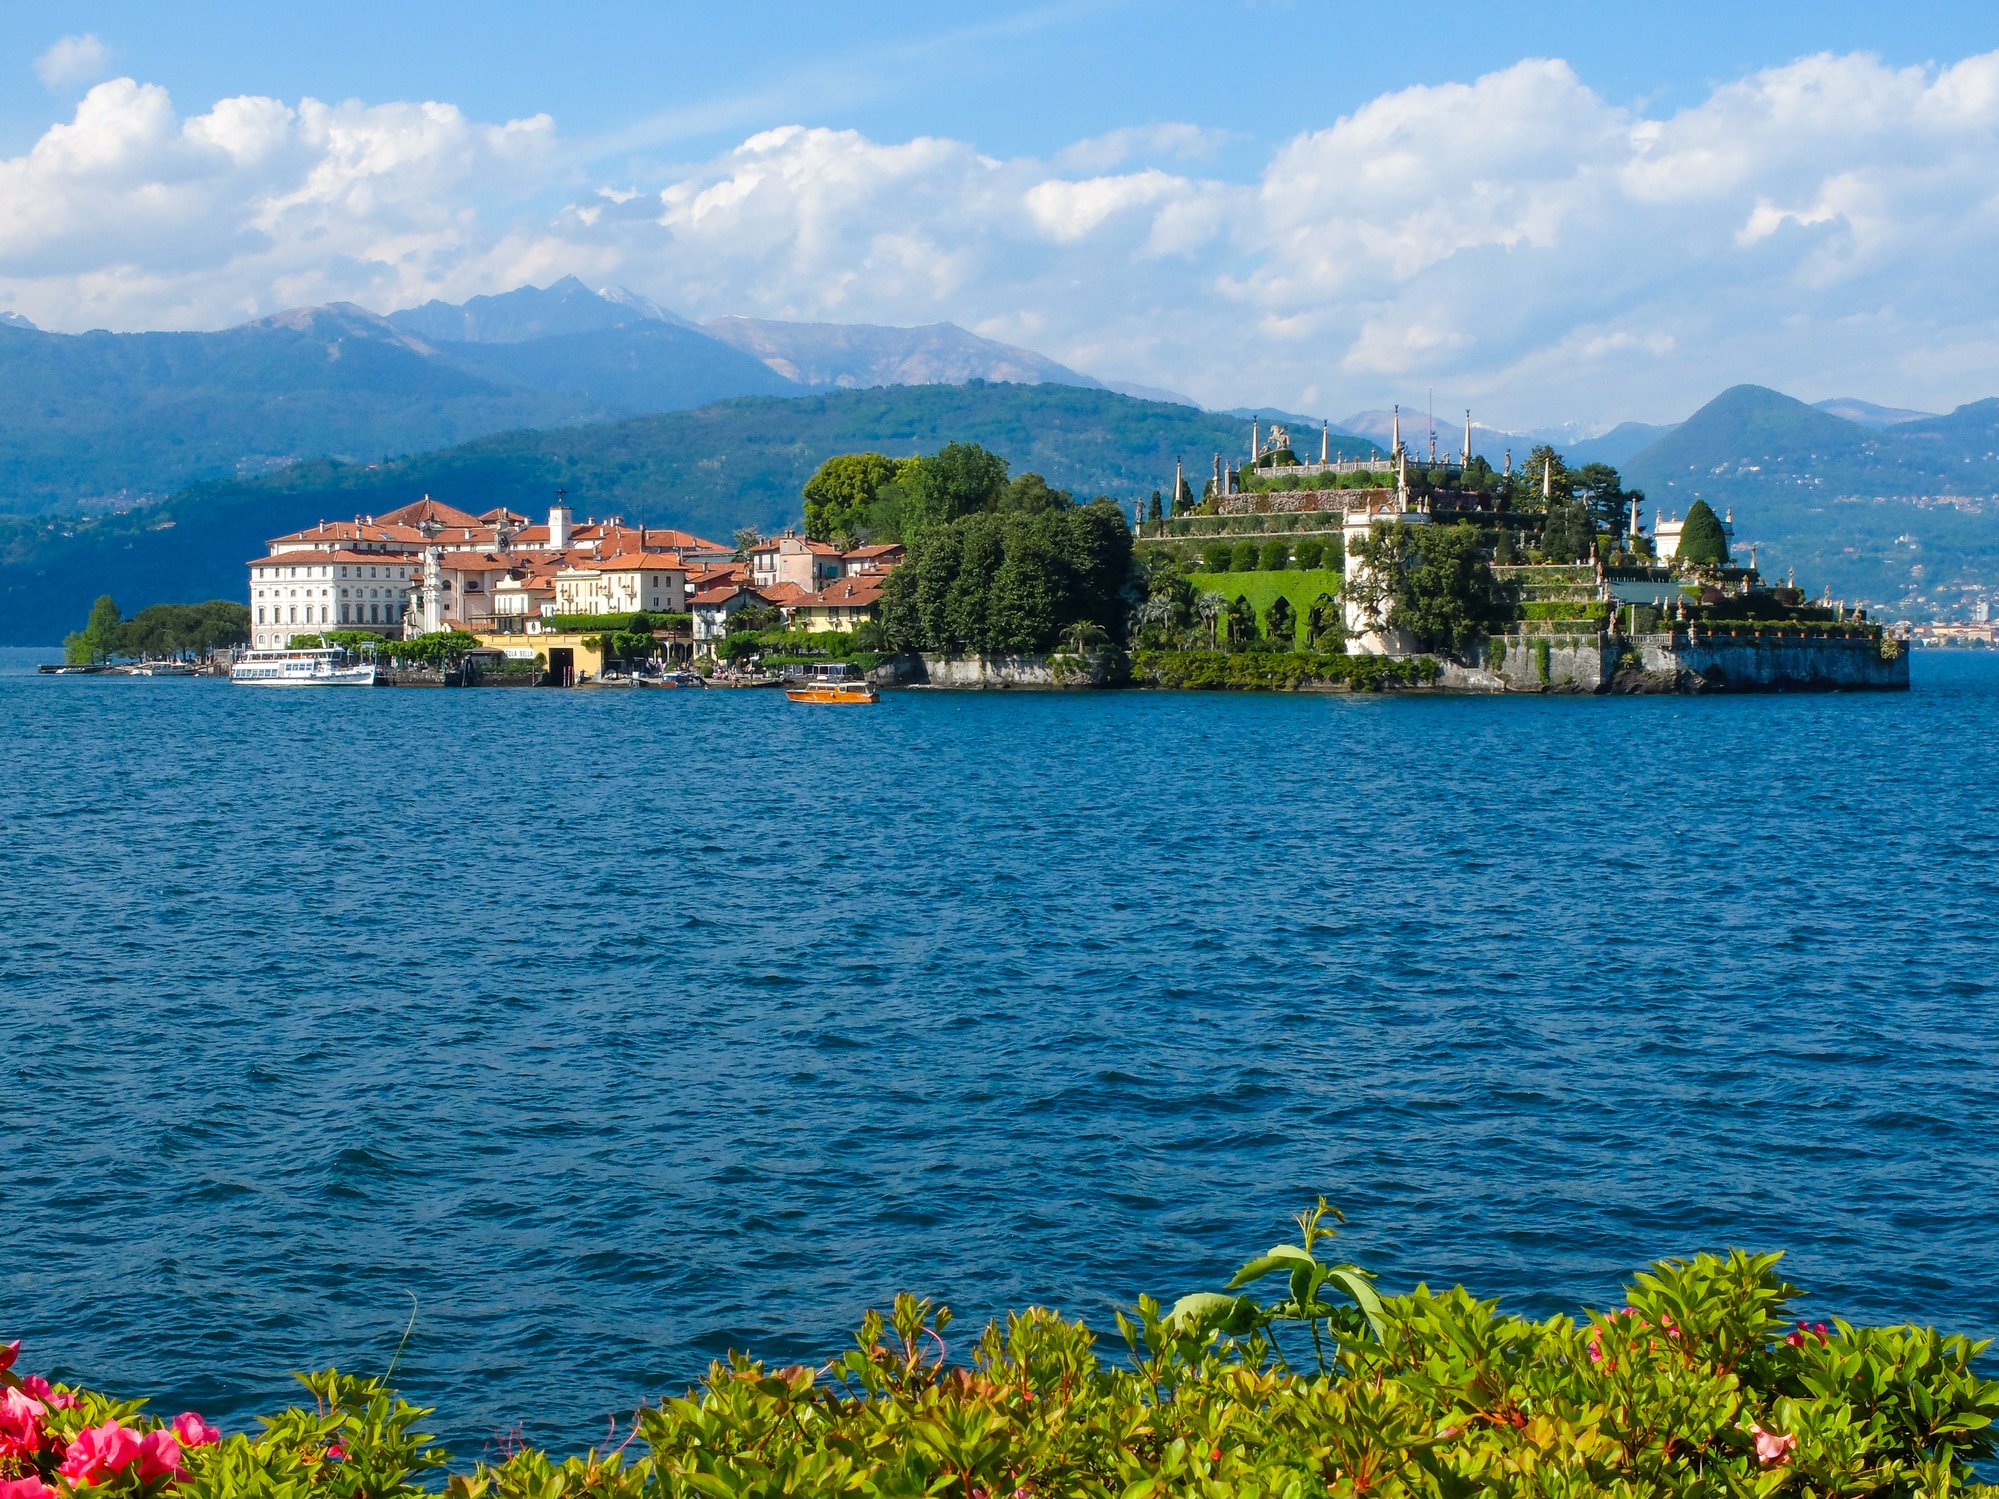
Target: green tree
x,y
959,479
1567,533
1280,622
1029,495
1275,555
1527,484
1599,488
98,640
1324,621
1155,511
1435,584
839,496
1701,540
1310,553
1216,557
1244,558
1212,608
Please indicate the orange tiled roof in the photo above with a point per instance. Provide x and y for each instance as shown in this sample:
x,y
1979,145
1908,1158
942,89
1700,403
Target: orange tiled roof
x,y
427,509
848,593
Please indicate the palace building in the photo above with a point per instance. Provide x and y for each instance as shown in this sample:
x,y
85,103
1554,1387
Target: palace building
x,y
429,566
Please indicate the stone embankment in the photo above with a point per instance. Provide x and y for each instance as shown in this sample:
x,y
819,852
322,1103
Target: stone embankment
x,y
1101,670
1684,663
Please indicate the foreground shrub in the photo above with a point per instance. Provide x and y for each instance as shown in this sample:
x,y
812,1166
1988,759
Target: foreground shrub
x,y
1700,1386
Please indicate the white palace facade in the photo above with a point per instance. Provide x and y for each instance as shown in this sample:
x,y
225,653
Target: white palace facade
x,y
428,567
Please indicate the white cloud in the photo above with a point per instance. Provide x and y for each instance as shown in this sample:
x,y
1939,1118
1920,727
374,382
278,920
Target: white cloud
x,y
1516,241
73,59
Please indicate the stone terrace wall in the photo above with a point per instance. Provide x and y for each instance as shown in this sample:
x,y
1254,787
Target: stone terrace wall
x,y
1762,664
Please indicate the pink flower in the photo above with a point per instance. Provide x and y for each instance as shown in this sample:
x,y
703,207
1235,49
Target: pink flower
x,y
195,1432
1772,1448
159,1456
25,1488
38,1388
98,1452
9,1352
21,1432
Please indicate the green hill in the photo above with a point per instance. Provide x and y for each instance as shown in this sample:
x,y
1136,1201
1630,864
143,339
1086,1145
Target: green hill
x,y
734,463
1905,516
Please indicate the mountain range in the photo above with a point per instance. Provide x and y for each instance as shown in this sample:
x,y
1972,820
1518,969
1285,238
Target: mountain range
x,y
134,448
100,421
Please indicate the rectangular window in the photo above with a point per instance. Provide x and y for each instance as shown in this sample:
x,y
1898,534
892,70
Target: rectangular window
x,y
294,618
260,615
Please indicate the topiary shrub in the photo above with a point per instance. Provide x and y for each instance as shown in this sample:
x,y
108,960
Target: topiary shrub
x,y
1310,553
1275,555
1215,557
1244,558
1701,538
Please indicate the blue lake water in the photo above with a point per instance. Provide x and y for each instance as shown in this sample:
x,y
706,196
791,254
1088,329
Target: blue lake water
x,y
625,1029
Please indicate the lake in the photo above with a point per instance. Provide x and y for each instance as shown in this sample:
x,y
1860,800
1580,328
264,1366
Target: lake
x,y
624,1029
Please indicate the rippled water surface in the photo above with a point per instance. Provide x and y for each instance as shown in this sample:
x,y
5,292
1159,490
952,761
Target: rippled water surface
x,y
624,1029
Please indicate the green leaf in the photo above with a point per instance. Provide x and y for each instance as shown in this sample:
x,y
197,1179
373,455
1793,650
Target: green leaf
x,y
1233,1315
1284,1257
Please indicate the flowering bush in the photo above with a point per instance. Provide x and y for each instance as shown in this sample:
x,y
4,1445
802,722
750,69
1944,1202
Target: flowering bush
x,y
1699,1386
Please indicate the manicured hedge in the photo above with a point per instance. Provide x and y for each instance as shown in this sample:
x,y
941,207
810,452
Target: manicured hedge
x,y
1274,671
1263,589
1701,1387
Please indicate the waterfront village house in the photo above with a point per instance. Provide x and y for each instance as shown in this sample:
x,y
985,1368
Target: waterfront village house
x,y
627,584
875,559
807,565
429,566
840,606
712,610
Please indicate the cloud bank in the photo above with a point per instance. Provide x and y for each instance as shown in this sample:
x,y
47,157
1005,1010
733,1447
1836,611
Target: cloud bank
x,y
1517,242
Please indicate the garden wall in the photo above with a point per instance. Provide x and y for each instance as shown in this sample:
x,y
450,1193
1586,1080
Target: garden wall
x,y
1006,671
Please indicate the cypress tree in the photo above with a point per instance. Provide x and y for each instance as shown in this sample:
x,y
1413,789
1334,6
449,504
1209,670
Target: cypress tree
x,y
1701,539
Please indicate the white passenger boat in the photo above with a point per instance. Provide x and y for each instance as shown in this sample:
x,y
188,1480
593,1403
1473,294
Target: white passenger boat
x,y
325,666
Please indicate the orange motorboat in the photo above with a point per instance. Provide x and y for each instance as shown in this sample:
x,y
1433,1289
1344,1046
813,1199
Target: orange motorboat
x,y
833,682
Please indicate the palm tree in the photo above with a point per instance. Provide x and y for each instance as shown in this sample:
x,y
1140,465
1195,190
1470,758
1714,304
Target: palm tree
x,y
1157,610
1211,607
1082,635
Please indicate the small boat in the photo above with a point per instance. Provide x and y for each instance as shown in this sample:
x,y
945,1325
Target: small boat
x,y
833,682
326,666
681,678
164,669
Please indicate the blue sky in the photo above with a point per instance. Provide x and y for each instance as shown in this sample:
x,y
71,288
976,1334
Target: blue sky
x,y
1129,145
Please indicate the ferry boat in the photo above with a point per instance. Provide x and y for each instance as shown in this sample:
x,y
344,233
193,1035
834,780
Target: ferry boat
x,y
324,666
833,682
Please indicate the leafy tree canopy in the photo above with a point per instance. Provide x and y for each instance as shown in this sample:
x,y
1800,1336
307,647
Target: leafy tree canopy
x,y
838,496
1568,533
959,479
1543,464
1007,582
158,630
1434,582
1600,489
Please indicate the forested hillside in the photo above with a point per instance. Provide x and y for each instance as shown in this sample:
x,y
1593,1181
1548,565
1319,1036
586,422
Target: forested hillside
x,y
734,463
1904,516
